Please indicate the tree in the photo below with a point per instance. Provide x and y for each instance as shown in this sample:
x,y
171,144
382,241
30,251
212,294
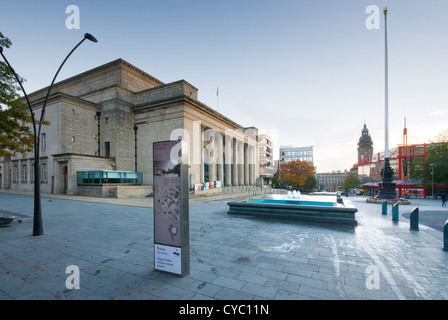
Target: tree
x,y
15,135
416,169
437,153
295,173
310,183
275,180
351,181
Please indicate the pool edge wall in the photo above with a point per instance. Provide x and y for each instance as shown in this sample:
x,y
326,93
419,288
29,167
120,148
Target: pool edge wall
x,y
320,214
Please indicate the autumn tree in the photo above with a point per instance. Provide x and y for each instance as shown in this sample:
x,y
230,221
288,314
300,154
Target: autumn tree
x,y
296,173
15,135
310,183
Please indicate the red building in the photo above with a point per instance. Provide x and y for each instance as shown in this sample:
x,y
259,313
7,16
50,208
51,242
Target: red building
x,y
369,170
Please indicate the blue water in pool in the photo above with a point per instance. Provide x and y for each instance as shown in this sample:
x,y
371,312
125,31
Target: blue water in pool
x,y
312,200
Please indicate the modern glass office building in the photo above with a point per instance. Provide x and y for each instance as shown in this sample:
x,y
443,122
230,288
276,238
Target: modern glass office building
x,y
290,153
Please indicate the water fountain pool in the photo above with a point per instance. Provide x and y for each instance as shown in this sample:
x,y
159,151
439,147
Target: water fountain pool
x,y
317,207
296,198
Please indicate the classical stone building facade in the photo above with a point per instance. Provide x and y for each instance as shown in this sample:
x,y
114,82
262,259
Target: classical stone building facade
x,y
331,181
108,118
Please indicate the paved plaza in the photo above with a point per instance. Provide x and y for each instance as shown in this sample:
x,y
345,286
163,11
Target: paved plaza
x,y
231,257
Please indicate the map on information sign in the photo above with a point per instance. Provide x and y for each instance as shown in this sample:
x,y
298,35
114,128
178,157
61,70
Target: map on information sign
x,y
167,196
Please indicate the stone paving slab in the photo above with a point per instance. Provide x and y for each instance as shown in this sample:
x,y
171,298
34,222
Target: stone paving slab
x,y
231,257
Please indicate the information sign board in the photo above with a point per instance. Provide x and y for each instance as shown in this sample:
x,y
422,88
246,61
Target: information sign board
x,y
171,216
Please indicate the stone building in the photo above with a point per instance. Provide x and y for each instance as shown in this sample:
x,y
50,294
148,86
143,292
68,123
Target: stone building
x,y
266,159
103,124
365,146
331,181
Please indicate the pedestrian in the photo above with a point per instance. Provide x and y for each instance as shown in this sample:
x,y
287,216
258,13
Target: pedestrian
x,y
443,200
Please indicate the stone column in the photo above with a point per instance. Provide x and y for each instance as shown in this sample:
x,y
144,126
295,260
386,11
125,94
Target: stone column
x,y
252,165
212,160
228,159
201,150
219,147
246,164
240,163
235,162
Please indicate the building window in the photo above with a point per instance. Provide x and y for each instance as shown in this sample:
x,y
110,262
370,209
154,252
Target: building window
x,y
44,141
24,172
107,147
16,173
32,172
44,172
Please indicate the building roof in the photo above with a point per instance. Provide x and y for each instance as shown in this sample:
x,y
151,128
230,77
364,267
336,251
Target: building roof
x,y
118,64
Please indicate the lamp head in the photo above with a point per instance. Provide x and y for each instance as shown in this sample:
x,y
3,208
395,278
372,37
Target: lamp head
x,y
88,36
385,11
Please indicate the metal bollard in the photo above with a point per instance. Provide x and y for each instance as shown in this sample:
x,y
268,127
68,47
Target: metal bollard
x,y
445,236
384,212
414,219
395,212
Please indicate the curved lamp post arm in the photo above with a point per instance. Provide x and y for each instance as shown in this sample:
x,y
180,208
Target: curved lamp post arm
x,y
87,36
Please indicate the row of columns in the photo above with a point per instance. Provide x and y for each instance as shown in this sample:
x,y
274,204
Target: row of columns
x,y
229,160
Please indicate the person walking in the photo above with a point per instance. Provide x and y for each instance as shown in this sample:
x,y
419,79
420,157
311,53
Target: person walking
x,y
443,200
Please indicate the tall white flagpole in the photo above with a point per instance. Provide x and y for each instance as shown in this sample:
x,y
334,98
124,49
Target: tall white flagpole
x,y
386,151
387,186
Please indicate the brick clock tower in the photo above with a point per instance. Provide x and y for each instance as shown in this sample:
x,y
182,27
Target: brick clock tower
x,y
365,145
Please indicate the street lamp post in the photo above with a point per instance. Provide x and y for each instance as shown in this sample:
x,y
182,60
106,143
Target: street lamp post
x,y
37,222
387,186
98,136
135,147
432,165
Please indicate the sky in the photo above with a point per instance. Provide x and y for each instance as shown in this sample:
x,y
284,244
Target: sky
x,y
305,72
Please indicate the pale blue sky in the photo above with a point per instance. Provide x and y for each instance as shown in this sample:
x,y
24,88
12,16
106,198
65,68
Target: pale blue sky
x,y
309,72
